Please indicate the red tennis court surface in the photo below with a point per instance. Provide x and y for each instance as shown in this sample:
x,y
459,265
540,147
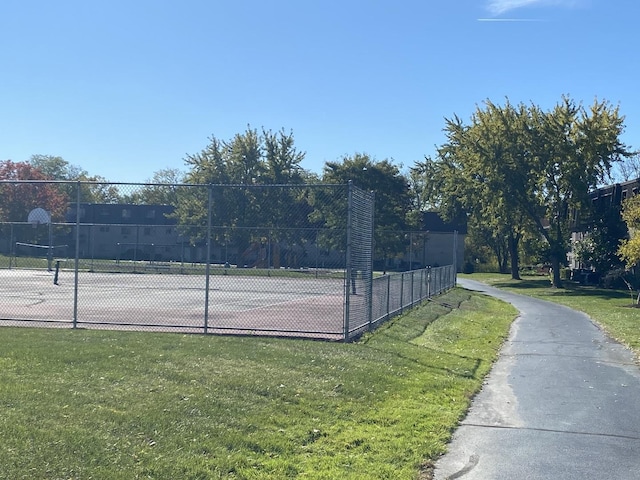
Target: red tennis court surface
x,y
260,305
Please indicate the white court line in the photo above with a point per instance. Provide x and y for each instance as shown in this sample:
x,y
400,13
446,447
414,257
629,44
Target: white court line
x,y
271,304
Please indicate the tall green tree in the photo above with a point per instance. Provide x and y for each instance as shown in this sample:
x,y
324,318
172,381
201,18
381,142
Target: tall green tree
x,y
56,168
574,149
421,190
469,176
392,198
249,161
528,170
161,189
94,188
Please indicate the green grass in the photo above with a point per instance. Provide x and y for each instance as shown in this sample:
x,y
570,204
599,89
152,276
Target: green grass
x,y
612,309
120,405
186,268
23,262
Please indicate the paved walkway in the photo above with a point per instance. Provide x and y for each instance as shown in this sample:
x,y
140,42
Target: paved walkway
x,y
562,403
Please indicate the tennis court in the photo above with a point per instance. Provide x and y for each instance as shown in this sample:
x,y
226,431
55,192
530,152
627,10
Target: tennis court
x,y
278,266
236,304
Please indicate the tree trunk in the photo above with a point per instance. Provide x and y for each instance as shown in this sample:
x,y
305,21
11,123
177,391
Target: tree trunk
x,y
513,253
556,281
500,259
503,265
500,251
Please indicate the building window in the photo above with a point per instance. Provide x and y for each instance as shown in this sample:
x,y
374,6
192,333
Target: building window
x,y
151,214
104,228
126,213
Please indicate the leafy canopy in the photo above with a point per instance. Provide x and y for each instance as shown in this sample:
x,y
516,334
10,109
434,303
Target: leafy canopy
x,y
524,171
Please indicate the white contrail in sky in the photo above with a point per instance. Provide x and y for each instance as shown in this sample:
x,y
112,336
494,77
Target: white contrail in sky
x,y
510,20
498,7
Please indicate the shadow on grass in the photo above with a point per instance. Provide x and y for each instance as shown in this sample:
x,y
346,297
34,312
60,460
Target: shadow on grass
x,y
396,338
568,289
522,284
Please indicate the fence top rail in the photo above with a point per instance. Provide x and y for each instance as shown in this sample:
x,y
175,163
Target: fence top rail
x,y
234,185
409,272
163,225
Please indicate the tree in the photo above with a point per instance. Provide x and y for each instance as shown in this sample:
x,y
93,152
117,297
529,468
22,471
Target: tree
x,y
531,169
18,199
392,198
598,247
282,160
573,150
470,171
94,189
55,168
238,171
160,189
628,168
629,249
421,190
482,234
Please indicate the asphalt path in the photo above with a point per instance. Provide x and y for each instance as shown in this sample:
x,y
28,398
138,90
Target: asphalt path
x,y
562,402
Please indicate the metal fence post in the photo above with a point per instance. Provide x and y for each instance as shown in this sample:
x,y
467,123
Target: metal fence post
x,y
455,255
76,262
317,251
348,264
208,263
370,259
412,293
401,292
12,248
388,294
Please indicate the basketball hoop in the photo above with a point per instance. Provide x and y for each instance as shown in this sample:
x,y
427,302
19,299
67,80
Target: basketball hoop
x,y
38,216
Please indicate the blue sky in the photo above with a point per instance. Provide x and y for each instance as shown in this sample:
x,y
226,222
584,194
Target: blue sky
x,y
123,88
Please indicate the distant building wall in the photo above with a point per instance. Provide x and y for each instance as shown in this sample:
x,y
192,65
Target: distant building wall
x,y
439,249
125,231
147,232
443,238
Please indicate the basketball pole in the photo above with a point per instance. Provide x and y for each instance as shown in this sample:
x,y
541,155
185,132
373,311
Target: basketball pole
x,y
50,249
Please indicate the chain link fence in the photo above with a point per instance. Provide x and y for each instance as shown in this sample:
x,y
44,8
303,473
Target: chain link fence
x,y
282,260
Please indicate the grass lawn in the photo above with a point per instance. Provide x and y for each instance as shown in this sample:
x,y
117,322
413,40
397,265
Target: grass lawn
x,y
145,266
612,309
119,405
